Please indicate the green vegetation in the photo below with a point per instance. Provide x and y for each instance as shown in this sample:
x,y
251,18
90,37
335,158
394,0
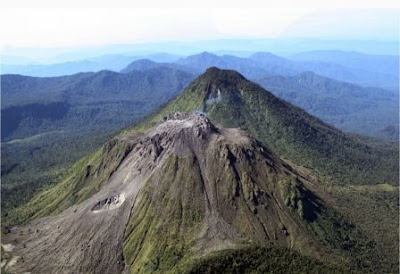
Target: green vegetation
x,y
41,161
375,210
335,231
268,259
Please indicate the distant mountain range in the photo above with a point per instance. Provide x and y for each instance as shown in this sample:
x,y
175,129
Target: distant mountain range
x,y
363,69
114,62
283,46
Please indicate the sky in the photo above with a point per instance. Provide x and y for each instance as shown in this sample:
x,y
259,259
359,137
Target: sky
x,y
44,24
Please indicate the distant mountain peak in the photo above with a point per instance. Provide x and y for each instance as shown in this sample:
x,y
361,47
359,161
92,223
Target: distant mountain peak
x,y
215,73
203,56
144,61
206,53
263,54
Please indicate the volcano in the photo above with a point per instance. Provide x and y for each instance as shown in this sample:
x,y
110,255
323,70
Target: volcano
x,y
212,177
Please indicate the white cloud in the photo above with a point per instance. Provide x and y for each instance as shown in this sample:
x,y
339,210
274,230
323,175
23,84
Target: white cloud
x,y
77,27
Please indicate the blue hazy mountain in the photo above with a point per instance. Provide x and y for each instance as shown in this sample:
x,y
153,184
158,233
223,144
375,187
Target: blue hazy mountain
x,y
365,69
356,60
114,62
354,67
252,67
146,64
281,45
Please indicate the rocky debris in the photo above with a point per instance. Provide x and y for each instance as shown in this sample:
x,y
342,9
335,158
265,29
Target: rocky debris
x,y
175,123
109,203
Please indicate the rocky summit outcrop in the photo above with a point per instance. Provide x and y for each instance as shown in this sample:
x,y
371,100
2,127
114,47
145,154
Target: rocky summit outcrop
x,y
183,189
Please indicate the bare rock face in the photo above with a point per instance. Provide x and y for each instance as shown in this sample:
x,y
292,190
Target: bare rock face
x,y
185,189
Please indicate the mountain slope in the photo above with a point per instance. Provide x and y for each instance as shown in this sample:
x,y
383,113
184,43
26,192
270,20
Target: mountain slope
x,y
232,101
366,111
173,194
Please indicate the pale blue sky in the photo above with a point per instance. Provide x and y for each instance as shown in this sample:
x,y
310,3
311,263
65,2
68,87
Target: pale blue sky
x,y
348,24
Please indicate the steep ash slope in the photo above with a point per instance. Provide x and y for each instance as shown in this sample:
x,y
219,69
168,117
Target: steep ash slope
x,y
176,192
